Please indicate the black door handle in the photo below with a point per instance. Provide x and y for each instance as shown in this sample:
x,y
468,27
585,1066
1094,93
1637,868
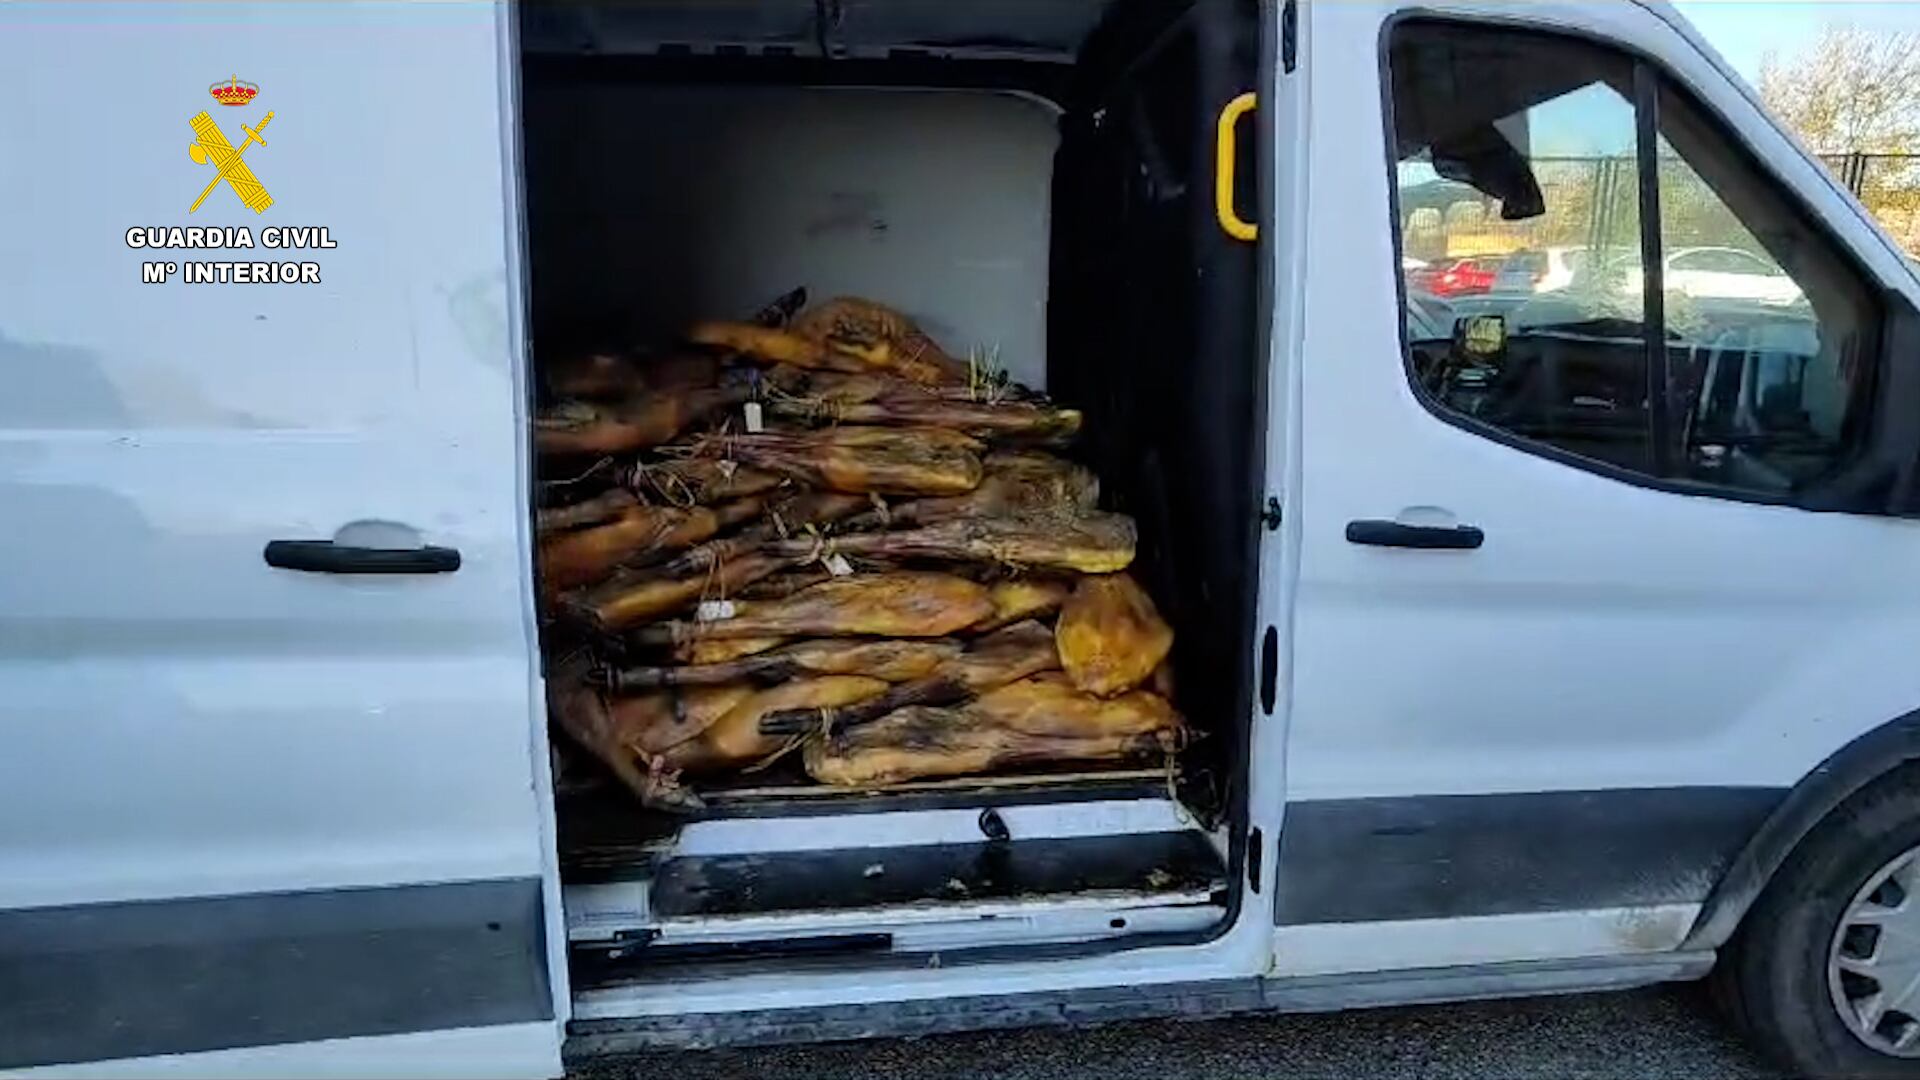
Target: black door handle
x,y
1394,534
327,557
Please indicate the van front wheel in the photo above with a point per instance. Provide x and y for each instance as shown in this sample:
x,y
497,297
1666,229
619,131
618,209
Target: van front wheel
x,y
1825,970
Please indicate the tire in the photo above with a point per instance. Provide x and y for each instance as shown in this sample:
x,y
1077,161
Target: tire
x,y
1772,978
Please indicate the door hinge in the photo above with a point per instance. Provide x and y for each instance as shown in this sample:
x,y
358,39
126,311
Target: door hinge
x,y
1271,517
1289,37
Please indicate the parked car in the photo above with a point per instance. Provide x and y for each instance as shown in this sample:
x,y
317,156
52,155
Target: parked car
x,y
1458,277
1540,269
1719,273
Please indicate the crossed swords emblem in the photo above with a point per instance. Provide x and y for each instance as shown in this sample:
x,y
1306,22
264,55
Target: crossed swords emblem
x,y
211,145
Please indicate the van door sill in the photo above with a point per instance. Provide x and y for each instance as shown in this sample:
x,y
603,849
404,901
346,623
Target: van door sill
x,y
800,882
601,1031
917,899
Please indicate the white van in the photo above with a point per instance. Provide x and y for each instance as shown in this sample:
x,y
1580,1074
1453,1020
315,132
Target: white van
x,y
1539,641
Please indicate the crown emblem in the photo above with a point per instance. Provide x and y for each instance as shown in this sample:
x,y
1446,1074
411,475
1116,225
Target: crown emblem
x,y
233,91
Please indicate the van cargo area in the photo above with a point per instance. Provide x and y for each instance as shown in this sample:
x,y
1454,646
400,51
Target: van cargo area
x,y
1032,184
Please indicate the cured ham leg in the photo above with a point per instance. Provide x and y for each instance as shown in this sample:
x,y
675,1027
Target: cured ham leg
x,y
629,739
1094,543
772,345
1049,704
910,605
734,740
575,428
631,598
651,725
887,660
595,511
1011,485
813,509
722,650
823,389
800,515
648,741
584,556
1111,638
1022,598
885,461
698,480
995,660
785,584
1011,420
1035,721
879,337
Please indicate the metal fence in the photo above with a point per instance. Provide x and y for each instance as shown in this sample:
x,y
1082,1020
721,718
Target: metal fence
x,y
1889,186
1589,201
1593,203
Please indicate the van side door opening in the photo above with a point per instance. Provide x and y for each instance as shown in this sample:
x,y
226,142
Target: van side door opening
x,y
1047,208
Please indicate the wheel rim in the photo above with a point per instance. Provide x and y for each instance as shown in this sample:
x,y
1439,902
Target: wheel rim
x,y
1873,965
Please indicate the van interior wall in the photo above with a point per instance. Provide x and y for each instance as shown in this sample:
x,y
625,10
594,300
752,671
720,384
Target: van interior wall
x,y
655,206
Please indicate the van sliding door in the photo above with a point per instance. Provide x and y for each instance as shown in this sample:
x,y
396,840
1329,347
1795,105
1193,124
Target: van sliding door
x,y
255,798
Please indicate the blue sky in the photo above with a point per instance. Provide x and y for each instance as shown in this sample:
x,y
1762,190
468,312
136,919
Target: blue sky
x,y
1595,120
1744,30
1598,121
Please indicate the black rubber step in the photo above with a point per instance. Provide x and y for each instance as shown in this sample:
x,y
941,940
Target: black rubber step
x,y
1142,864
606,836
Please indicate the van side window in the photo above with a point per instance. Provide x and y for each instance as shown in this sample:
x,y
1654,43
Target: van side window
x,y
1533,175
1519,216
1771,334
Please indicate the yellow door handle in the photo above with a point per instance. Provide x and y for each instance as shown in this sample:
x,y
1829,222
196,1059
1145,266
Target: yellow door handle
x,y
1223,180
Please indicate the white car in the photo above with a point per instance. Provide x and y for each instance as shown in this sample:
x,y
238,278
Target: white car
x,y
1562,265
1550,269
1722,273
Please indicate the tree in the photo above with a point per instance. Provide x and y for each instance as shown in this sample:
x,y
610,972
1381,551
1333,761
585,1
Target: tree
x,y
1853,91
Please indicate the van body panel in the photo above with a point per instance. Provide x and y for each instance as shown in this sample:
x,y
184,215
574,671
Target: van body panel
x,y
1456,856
141,978
1631,674
190,732
1333,949
1204,1000
1608,635
186,720
500,1052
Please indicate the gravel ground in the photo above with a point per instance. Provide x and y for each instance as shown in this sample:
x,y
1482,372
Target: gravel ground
x,y
1665,1032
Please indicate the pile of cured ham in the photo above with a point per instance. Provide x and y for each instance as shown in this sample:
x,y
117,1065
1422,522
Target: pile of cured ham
x,y
819,534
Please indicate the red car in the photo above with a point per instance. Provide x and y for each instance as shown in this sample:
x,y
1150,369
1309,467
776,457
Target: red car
x,y
1461,277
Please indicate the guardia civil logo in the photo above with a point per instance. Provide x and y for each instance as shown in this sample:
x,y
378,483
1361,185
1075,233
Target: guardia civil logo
x,y
231,169
211,146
